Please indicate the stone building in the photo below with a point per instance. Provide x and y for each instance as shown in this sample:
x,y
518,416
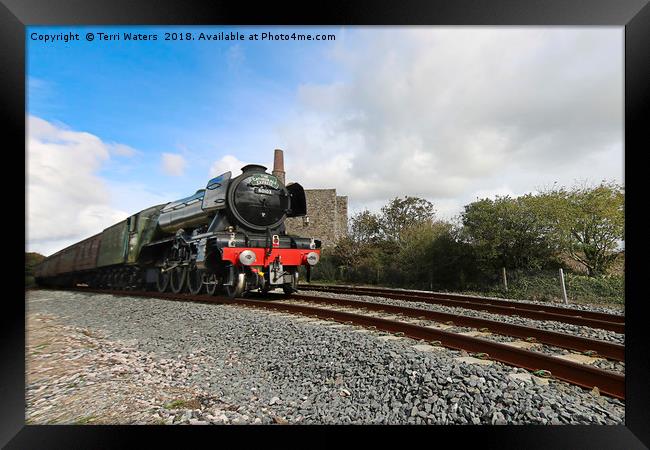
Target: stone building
x,y
326,219
327,213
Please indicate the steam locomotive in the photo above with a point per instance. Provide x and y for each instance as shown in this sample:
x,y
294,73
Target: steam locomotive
x,y
230,236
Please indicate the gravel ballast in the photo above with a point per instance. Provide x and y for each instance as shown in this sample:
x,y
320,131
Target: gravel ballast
x,y
243,365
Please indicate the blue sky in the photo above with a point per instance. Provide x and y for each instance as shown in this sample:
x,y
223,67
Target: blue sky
x,y
450,114
199,99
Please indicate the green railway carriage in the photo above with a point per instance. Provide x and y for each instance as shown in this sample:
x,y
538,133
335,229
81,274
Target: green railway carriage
x,y
142,231
117,245
122,242
113,247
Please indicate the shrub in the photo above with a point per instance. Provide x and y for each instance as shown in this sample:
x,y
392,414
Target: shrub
x,y
603,289
545,286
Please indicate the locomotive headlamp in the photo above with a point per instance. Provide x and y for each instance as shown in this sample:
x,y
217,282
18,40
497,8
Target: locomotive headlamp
x,y
312,258
247,257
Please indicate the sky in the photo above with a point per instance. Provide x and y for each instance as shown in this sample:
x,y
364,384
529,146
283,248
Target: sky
x,y
450,114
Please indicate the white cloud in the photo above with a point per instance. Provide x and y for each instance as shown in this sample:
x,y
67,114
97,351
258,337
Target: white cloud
x,y
135,196
235,57
227,163
122,150
173,164
66,199
451,113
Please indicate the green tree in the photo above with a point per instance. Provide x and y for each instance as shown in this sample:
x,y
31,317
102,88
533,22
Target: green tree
x,y
400,214
31,260
346,252
509,232
588,223
365,227
414,257
453,260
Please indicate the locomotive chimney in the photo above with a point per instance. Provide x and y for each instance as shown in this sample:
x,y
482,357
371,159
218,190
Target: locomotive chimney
x,y
278,164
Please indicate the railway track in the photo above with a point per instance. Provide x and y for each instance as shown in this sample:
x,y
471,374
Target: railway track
x,y
563,340
608,382
592,319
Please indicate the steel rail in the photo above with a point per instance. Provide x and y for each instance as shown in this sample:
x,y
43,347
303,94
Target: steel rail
x,y
491,301
609,383
511,309
569,341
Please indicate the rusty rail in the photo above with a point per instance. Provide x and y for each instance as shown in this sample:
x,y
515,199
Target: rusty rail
x,y
569,341
606,317
503,307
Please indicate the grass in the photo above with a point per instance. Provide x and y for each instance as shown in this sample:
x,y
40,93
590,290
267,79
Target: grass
x,y
545,286
85,420
30,281
188,404
37,349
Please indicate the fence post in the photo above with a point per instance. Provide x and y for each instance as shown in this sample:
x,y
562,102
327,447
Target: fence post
x,y
505,279
566,300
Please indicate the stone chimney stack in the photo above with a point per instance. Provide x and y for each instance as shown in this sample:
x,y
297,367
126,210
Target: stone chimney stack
x,y
278,164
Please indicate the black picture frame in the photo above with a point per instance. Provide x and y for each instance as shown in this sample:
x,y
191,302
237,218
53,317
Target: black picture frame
x,y
634,15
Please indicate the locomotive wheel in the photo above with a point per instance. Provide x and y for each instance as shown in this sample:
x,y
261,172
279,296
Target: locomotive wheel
x,y
112,279
177,279
162,283
290,288
131,280
237,288
121,279
195,281
212,285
